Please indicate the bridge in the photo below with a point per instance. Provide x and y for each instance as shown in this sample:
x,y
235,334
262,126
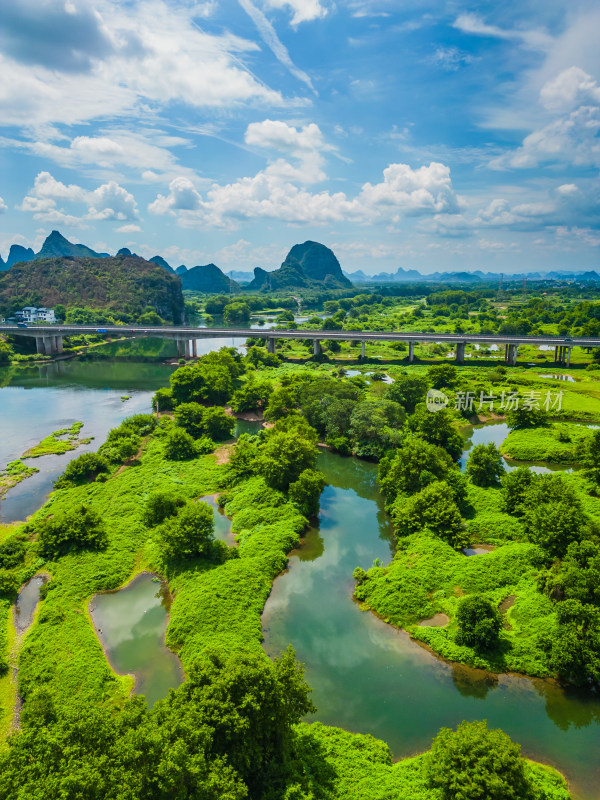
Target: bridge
x,y
49,338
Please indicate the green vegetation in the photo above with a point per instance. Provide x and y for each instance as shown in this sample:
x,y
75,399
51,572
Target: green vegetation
x,y
485,467
57,444
478,622
77,529
95,290
13,473
559,443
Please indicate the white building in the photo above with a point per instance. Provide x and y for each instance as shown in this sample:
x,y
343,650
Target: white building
x,y
33,314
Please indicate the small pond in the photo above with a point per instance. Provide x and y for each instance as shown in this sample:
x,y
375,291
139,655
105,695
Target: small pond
x,y
131,625
27,601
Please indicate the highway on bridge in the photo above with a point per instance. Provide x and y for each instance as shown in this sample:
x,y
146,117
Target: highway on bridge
x,y
49,337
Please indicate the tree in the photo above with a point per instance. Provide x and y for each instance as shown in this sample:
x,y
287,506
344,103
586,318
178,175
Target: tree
x,y
434,507
475,763
160,505
485,466
590,458
283,457
436,428
191,417
218,424
577,576
179,445
375,427
236,313
81,469
244,456
575,651
514,488
414,465
281,402
254,394
520,417
552,514
80,528
479,623
189,533
442,376
306,491
408,390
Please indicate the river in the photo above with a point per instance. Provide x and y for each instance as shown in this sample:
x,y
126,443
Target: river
x,y
367,677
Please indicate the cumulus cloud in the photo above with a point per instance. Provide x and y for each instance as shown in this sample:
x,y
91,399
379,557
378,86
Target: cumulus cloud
x,y
271,194
107,202
305,144
572,137
3,206
413,191
129,229
145,54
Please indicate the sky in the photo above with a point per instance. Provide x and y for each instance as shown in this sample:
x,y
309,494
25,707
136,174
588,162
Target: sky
x,y
426,135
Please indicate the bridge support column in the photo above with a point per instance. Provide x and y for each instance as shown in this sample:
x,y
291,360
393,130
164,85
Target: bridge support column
x,y
49,347
568,349
195,348
506,352
362,349
316,347
39,345
59,343
556,355
411,352
512,354
180,348
460,352
270,345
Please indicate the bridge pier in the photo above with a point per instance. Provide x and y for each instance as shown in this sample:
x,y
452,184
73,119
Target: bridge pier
x,y
180,348
362,349
317,347
568,359
59,343
460,352
411,352
556,349
512,355
270,345
195,348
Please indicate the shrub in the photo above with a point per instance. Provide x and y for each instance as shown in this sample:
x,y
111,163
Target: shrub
x,y
189,534
433,507
12,552
479,623
80,528
82,468
514,486
306,491
519,418
159,506
179,445
475,763
485,466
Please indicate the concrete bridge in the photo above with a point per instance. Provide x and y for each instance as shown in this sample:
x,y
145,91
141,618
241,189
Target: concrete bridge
x,y
49,338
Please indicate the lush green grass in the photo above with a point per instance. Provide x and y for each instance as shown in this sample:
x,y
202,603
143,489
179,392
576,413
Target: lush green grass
x,y
558,443
58,442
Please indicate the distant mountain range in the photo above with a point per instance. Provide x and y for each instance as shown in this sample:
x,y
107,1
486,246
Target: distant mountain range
x,y
307,265
414,276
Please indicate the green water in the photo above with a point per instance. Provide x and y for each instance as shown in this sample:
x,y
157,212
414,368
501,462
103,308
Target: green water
x,y
35,401
368,677
131,625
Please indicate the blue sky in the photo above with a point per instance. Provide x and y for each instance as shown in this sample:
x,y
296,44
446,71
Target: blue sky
x,y
425,135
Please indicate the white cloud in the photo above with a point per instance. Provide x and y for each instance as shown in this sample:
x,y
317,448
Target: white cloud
x,y
3,206
303,10
270,38
450,59
107,202
305,144
407,191
472,23
157,55
129,229
572,137
271,194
